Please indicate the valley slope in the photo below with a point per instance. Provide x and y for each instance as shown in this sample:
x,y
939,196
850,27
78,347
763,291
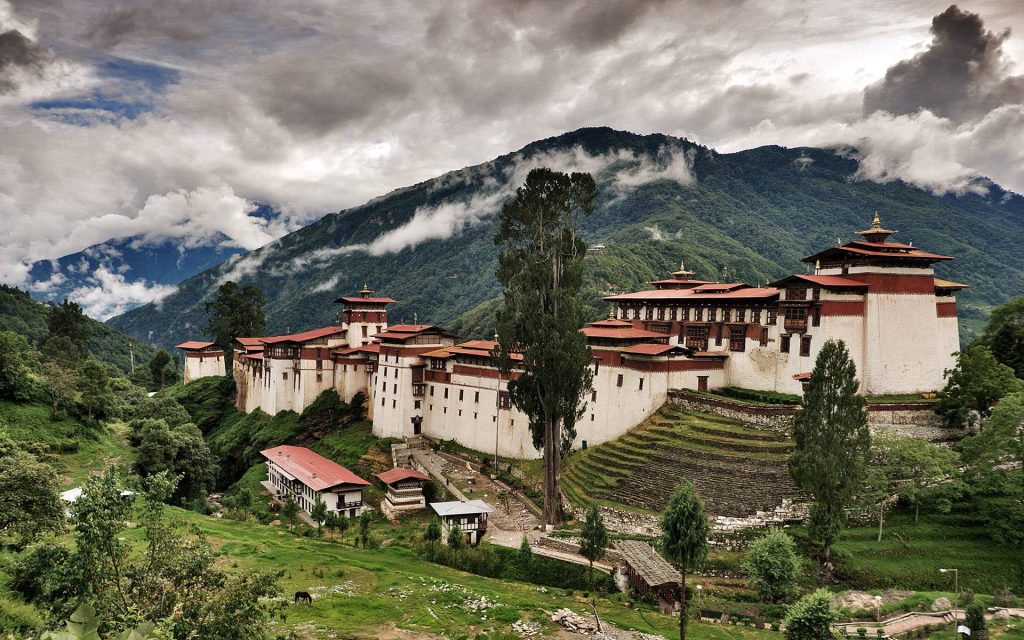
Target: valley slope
x,y
662,199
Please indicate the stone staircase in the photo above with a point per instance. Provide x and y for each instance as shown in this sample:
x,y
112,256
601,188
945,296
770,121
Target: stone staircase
x,y
739,470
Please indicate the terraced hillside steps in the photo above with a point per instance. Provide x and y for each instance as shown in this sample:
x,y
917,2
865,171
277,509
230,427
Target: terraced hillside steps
x,y
737,469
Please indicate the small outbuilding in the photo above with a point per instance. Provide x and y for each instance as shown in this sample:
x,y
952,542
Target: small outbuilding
x,y
648,573
404,490
469,515
202,359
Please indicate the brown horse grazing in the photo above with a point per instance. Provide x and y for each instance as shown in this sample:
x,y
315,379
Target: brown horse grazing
x,y
303,596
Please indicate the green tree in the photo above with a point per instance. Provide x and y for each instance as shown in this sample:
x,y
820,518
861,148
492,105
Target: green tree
x,y
684,538
94,390
916,469
158,368
180,451
593,539
68,320
331,522
995,473
833,443
541,268
61,386
1004,335
235,312
343,524
17,362
456,539
975,621
811,618
63,351
524,559
30,503
319,514
974,386
364,528
290,511
773,565
433,532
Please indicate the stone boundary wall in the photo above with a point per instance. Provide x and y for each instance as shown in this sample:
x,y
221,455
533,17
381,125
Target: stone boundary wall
x,y
611,556
910,419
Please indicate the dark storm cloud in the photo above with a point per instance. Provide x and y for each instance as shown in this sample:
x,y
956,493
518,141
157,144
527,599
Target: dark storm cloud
x,y
181,22
18,53
962,75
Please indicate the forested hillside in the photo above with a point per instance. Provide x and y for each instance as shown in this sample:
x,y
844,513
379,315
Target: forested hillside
x,y
662,200
23,315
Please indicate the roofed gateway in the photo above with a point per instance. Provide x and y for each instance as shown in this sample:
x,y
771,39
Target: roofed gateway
x,y
881,297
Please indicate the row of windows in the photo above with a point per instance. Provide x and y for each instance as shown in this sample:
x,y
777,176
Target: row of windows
x,y
805,345
698,314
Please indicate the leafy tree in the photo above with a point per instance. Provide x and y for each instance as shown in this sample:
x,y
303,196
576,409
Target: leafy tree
x,y
94,387
30,503
524,558
158,367
976,621
433,532
61,386
541,268
914,469
1004,335
811,618
175,578
17,362
331,522
684,538
364,528
180,451
235,312
833,442
773,565
63,351
593,539
974,386
456,540
67,320
343,525
290,511
995,472
319,514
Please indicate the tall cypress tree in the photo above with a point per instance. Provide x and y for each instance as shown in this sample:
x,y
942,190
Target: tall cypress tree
x,y
235,312
541,267
833,442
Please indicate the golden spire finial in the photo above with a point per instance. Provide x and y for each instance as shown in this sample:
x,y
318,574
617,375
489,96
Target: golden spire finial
x,y
876,223
817,266
495,334
415,318
611,312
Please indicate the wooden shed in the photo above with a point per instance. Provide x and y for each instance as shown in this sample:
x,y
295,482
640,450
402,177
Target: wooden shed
x,y
648,573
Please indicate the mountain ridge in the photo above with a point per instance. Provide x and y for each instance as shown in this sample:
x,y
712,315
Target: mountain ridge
x,y
663,199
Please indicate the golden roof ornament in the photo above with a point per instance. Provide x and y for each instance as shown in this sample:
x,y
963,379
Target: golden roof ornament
x,y
682,274
876,233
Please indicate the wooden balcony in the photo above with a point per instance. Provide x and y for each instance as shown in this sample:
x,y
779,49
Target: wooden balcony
x,y
795,325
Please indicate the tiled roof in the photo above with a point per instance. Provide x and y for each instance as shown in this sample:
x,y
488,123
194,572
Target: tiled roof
x,y
622,334
685,295
305,336
825,281
398,474
949,284
250,342
311,468
647,349
194,345
610,323
653,569
460,508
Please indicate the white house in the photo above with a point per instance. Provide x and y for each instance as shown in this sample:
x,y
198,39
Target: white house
x,y
305,474
470,515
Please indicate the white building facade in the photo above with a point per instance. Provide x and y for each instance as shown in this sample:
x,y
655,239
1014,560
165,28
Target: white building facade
x,y
304,475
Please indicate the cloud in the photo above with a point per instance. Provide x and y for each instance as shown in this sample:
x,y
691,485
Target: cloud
x,y
963,75
106,294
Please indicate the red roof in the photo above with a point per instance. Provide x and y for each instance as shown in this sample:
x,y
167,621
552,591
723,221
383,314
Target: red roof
x,y
863,250
801,377
610,323
691,294
646,349
305,336
366,300
404,332
398,474
629,334
677,281
311,468
825,281
720,286
250,342
194,345
255,355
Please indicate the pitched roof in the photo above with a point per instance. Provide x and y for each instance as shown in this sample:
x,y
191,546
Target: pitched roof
x,y
305,336
647,349
878,250
250,342
610,323
311,468
652,568
460,508
398,474
825,281
194,345
623,334
366,300
685,295
949,284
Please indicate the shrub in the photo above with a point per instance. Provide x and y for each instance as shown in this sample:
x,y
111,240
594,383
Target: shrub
x,y
767,397
811,617
773,565
1003,598
976,621
18,618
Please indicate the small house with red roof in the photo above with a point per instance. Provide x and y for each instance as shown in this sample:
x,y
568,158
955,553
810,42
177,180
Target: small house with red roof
x,y
202,359
404,490
304,474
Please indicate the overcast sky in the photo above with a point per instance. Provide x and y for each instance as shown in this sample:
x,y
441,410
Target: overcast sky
x,y
167,118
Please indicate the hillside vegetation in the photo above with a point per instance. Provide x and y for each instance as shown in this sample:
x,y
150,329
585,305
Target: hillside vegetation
x,y
758,211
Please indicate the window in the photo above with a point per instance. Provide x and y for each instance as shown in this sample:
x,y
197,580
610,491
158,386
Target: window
x,y
319,364
384,386
816,318
816,293
284,375
726,315
593,395
597,366
476,397
661,313
504,400
686,314
431,390
784,344
718,335
382,402
319,377
618,382
394,388
796,293
649,313
641,387
755,316
672,314
741,315
697,338
805,346
737,339
698,314
764,336
416,404
364,330
712,314
772,316
460,413
446,393
394,403
461,392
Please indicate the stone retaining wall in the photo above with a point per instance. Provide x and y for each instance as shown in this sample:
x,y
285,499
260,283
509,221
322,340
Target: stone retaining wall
x,y
911,419
611,556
